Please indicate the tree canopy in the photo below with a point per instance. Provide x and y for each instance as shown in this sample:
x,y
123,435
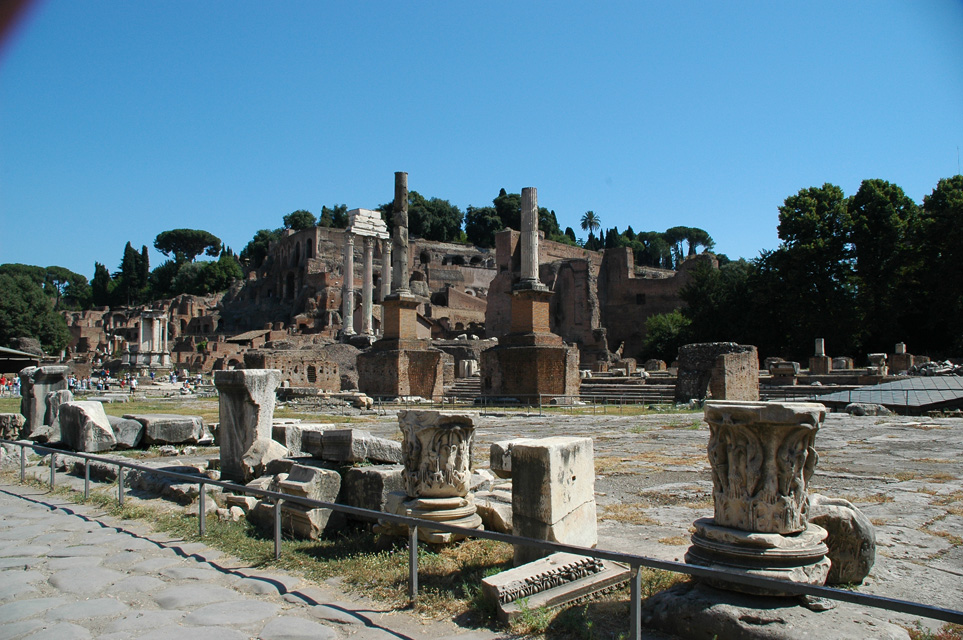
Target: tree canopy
x,y
299,220
186,244
27,311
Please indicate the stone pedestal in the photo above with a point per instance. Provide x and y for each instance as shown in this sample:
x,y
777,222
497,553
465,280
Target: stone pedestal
x,y
820,365
437,449
531,361
401,364
35,384
246,402
762,457
553,493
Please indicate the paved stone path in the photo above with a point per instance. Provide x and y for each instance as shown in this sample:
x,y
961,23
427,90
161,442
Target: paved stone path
x,y
70,571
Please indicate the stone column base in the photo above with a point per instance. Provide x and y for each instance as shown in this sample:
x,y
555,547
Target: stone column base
x,y
799,557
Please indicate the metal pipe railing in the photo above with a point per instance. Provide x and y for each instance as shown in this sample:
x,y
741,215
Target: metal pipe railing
x,y
635,562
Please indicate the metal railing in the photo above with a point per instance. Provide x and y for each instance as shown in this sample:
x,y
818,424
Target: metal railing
x,y
635,562
585,403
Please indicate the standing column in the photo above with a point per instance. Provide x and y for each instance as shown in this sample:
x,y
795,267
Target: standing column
x,y
529,247
400,241
140,338
367,285
385,268
347,295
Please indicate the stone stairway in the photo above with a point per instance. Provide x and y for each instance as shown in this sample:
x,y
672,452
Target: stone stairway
x,y
465,389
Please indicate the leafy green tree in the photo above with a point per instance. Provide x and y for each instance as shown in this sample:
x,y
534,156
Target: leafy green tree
x,y
815,265
299,220
591,222
481,225
655,252
570,234
718,303
130,286
882,221
696,238
26,311
186,244
433,219
941,266
70,290
255,251
102,286
336,217
592,243
508,207
162,278
664,334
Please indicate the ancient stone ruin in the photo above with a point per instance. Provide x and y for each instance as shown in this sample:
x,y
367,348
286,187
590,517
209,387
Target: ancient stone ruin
x,y
721,370
246,400
530,361
401,364
437,450
35,384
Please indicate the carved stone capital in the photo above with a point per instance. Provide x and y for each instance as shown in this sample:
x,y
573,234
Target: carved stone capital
x,y
437,453
762,457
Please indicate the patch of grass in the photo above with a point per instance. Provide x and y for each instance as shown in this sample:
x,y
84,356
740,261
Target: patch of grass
x,y
948,499
626,513
903,476
953,539
876,498
879,522
674,540
10,405
948,631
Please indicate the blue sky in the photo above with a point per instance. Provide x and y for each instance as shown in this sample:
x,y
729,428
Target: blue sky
x,y
119,120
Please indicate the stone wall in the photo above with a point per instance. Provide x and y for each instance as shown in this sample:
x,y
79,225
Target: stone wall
x,y
735,376
299,367
698,362
627,300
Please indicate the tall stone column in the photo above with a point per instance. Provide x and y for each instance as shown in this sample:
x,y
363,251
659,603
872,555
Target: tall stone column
x,y
367,286
529,248
386,268
347,295
762,457
246,405
399,265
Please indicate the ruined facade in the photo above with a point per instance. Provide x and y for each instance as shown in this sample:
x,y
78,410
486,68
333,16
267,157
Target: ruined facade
x,y
601,300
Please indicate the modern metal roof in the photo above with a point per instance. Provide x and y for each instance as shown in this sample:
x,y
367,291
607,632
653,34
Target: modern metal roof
x,y
918,393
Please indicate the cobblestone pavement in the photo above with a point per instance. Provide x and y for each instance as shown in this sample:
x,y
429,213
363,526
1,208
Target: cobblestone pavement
x,y
70,571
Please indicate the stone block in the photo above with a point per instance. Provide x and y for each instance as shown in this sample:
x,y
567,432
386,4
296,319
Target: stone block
x,y
304,521
550,582
312,443
246,410
355,445
35,384
128,433
255,460
578,527
291,435
169,428
11,424
437,452
495,509
84,427
51,419
500,457
368,487
552,477
851,539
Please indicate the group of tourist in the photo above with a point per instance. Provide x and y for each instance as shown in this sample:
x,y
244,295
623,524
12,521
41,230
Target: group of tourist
x,y
9,386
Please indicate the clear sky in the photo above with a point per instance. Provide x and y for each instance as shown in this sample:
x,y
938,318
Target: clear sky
x,y
119,120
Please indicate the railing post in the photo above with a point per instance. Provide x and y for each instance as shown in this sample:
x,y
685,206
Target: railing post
x,y
277,529
201,511
53,471
86,479
636,595
539,404
412,564
23,464
120,486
